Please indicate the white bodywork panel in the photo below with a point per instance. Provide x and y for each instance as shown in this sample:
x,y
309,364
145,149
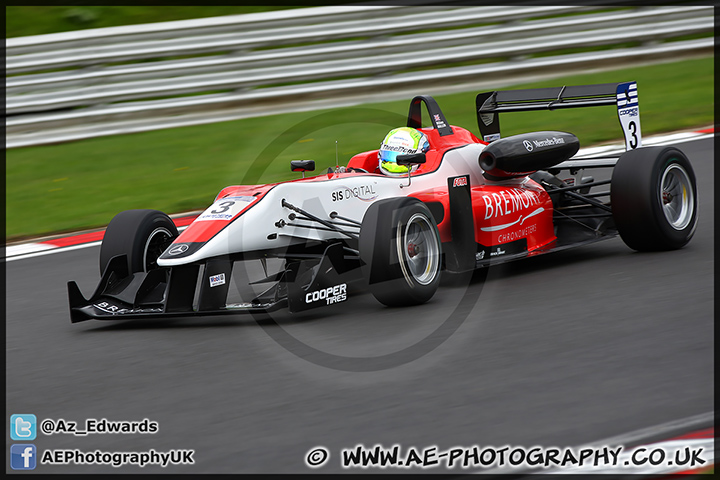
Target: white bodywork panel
x,y
349,196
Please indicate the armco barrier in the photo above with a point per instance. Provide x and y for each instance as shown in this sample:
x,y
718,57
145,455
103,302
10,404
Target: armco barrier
x,y
116,80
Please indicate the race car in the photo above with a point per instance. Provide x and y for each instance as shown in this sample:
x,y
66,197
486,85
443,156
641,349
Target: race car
x,y
465,203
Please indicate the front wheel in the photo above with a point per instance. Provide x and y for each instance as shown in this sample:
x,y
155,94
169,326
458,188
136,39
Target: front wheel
x,y
654,198
400,251
142,235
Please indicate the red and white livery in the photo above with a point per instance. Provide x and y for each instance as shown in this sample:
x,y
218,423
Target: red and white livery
x,y
468,202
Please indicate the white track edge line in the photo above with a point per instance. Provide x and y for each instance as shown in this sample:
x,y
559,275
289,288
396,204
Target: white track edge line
x,y
53,249
629,438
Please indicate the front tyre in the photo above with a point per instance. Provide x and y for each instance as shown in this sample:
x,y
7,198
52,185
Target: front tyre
x,y
654,198
142,235
400,251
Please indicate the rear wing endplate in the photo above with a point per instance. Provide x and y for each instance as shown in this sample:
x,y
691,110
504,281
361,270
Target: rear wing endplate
x,y
623,95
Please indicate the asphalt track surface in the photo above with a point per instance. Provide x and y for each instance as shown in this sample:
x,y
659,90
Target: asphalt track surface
x,y
558,350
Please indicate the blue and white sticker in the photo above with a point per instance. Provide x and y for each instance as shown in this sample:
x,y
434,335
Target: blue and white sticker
x,y
216,280
629,114
226,208
491,137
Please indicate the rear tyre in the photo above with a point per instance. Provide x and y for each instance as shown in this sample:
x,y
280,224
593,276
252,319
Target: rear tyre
x,y
400,252
142,235
654,198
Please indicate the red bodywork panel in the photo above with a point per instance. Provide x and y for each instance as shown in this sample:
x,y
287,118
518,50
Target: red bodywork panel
x,y
505,213
502,213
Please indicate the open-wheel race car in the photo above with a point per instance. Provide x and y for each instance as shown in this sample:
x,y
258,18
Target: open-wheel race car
x,y
464,203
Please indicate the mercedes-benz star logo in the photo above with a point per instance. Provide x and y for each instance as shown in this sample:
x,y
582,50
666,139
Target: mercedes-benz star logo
x,y
178,249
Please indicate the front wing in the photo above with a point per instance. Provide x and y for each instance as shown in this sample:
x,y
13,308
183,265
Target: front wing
x,y
202,289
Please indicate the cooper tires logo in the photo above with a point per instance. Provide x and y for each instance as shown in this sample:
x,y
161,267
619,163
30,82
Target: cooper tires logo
x,y
331,295
178,249
528,145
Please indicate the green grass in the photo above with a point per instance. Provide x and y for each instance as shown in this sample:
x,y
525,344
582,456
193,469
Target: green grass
x,y
83,184
37,20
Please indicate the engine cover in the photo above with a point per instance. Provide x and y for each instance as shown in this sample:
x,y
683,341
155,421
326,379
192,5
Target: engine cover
x,y
524,154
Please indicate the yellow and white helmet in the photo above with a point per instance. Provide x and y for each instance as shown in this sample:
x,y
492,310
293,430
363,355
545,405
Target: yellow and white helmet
x,y
400,141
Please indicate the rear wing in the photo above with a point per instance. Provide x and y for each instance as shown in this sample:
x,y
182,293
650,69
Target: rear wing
x,y
623,95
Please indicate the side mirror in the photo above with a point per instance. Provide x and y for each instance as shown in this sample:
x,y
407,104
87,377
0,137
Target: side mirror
x,y
412,159
302,166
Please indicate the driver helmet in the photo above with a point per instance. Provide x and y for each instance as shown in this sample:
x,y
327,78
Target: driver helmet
x,y
400,141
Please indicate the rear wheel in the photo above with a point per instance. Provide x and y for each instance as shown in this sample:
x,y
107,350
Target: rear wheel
x,y
654,198
142,235
400,251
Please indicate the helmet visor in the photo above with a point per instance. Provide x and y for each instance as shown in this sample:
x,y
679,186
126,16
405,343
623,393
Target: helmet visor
x,y
389,155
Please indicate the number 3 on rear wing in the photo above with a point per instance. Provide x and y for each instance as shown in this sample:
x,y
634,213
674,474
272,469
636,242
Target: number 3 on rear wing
x,y
623,95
